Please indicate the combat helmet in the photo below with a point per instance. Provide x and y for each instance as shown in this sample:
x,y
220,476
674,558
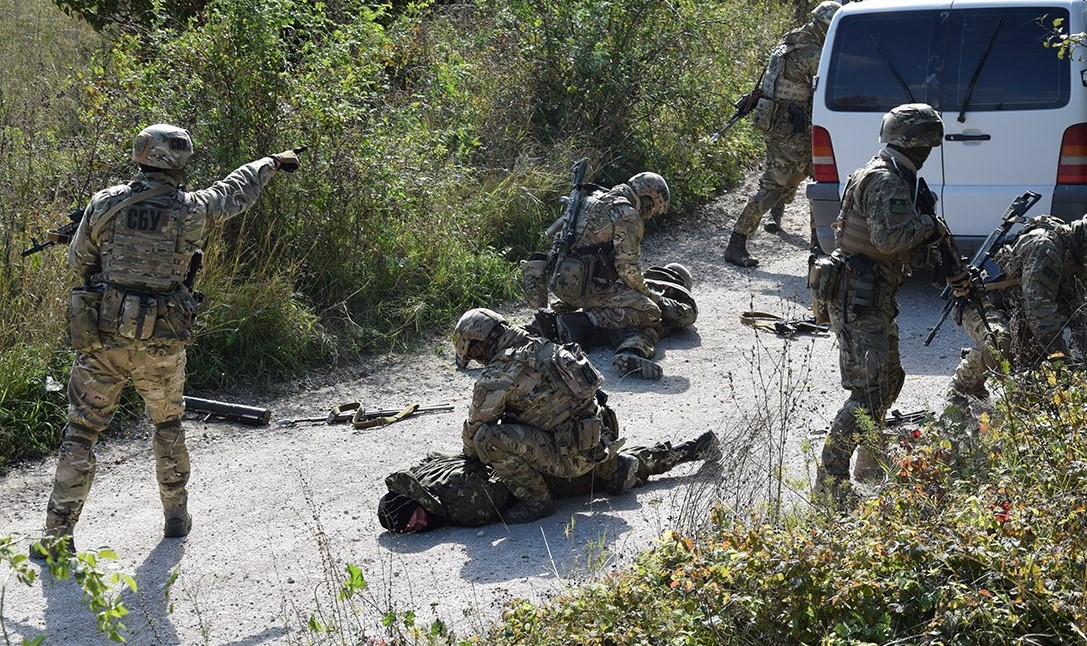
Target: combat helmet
x,y
683,272
824,11
912,125
652,192
480,324
162,146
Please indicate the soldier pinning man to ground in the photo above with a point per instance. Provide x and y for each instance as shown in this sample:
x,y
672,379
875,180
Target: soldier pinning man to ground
x,y
597,277
537,410
883,231
783,113
134,314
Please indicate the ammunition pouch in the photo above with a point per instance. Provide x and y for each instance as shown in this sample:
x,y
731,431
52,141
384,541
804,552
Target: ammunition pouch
x,y
534,280
824,276
571,277
577,372
141,315
83,307
763,115
862,285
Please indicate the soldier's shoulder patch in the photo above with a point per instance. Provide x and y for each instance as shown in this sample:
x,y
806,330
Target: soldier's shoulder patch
x,y
899,206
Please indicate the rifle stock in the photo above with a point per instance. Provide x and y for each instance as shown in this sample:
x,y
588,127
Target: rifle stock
x,y
248,415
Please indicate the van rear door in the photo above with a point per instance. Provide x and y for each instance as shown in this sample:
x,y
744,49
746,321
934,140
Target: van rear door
x,y
1002,96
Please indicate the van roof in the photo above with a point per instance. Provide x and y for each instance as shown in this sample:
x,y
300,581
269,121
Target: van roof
x,y
871,6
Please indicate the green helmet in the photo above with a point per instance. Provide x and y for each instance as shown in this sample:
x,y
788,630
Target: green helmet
x,y
479,324
824,11
912,125
652,192
162,146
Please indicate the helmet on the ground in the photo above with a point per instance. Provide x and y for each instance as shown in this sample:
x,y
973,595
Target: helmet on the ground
x,y
474,325
652,192
912,125
683,272
824,11
162,146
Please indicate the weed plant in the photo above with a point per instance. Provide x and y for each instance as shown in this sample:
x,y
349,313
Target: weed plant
x,y
975,542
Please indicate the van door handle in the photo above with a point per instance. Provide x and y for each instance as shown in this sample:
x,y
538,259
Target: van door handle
x,y
962,137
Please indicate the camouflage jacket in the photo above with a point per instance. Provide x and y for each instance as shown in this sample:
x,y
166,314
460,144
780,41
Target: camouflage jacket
x,y
879,215
787,77
1053,282
522,385
195,213
609,221
460,490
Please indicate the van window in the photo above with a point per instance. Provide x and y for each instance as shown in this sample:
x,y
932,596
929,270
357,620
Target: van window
x,y
881,60
1018,73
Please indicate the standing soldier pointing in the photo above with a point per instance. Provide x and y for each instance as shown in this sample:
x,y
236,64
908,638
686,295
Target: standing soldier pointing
x,y
134,313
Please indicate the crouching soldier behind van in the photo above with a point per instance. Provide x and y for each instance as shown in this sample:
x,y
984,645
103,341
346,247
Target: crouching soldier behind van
x,y
536,410
134,314
881,232
461,491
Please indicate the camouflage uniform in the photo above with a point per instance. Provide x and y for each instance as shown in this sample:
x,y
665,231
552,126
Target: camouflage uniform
x,y
461,491
992,345
136,260
535,412
1048,261
606,253
879,224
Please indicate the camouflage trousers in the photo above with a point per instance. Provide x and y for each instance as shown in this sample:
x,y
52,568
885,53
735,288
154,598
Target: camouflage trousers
x,y
787,164
871,371
992,345
94,388
613,306
523,456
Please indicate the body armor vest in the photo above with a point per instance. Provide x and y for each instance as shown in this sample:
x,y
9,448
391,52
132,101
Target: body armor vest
x,y
541,395
592,231
141,246
855,236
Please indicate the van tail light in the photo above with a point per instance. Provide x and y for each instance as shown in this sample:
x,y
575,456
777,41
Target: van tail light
x,y
1072,168
822,156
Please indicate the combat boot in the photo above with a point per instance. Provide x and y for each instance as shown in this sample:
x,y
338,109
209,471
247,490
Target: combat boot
x,y
834,491
629,363
736,251
771,223
576,328
55,543
704,447
178,524
868,466
522,513
625,476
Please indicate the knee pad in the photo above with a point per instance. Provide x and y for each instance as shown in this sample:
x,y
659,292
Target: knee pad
x,y
80,434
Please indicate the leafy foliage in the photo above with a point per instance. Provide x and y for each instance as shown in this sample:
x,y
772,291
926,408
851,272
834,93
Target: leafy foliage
x,y
977,539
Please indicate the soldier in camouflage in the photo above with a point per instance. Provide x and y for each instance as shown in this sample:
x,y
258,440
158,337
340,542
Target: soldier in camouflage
x,y
463,492
783,114
881,234
536,410
599,283
992,346
1046,264
134,313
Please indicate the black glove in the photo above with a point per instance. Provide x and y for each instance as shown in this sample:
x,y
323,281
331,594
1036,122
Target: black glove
x,y
288,159
939,231
961,284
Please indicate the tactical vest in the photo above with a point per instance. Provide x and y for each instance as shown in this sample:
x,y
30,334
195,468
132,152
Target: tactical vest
x,y
775,82
855,235
141,246
555,384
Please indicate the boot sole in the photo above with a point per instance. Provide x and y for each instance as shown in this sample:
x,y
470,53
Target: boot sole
x,y
629,364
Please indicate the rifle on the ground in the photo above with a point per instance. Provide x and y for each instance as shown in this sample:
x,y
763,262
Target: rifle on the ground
x,y
896,423
248,415
571,205
952,260
61,235
361,417
781,326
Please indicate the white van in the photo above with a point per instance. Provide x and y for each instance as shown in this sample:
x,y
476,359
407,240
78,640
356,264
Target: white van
x,y
1015,115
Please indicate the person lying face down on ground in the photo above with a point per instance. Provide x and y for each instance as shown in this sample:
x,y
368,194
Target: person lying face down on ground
x,y
461,491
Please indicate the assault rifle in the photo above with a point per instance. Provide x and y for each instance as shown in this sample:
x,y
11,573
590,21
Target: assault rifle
x,y
744,106
572,203
61,235
248,415
976,268
896,423
361,417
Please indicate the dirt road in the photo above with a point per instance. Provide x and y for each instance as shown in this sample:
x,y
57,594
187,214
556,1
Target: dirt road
x,y
278,511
